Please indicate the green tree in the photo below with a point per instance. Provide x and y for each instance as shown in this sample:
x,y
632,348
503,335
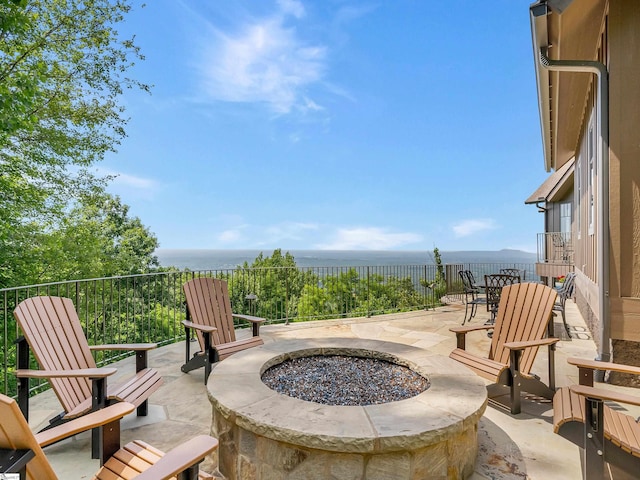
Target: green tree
x,y
99,238
277,282
63,69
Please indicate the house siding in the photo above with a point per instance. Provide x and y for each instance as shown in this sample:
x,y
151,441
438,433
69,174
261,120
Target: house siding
x,y
624,75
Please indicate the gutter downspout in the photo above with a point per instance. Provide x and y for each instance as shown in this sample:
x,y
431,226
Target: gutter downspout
x,y
602,120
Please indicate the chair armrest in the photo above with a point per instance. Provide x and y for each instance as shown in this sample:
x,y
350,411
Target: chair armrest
x,y
249,318
14,460
470,328
530,343
197,326
461,333
596,365
180,458
125,346
256,321
602,394
86,422
83,372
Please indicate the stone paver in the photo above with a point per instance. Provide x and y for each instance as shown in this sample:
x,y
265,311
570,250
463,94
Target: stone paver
x,y
509,446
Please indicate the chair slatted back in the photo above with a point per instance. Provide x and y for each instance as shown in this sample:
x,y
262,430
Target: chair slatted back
x,y
468,281
516,272
209,304
52,328
16,434
566,291
523,314
494,284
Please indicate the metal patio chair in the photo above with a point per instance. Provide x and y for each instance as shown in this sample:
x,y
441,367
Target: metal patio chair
x,y
565,292
471,295
493,285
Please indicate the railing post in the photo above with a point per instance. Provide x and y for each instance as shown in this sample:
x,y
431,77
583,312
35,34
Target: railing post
x,y
425,288
286,295
368,293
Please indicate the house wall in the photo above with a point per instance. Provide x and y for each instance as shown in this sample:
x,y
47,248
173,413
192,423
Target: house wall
x,y
624,77
585,224
552,215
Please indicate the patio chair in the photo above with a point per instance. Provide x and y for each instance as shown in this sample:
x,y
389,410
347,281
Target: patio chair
x,y
516,272
604,432
522,326
21,450
52,330
209,314
565,292
471,295
493,285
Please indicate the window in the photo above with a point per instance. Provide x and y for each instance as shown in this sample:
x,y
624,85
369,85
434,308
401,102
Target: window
x,y
565,218
579,198
591,158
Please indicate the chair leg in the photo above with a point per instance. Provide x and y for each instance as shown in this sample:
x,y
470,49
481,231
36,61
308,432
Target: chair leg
x,y
594,465
564,321
143,409
516,383
466,309
474,309
99,401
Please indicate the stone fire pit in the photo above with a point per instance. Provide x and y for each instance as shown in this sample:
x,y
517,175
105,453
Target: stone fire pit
x,y
265,435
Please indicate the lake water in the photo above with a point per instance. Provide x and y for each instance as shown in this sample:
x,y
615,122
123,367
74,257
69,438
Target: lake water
x,y
225,259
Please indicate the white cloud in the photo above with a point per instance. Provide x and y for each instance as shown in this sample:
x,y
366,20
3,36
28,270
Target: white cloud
x,y
265,62
127,185
230,236
292,7
135,182
369,238
289,231
470,227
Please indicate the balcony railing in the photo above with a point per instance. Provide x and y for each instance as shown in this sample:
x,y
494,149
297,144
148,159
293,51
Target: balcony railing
x,y
150,307
555,247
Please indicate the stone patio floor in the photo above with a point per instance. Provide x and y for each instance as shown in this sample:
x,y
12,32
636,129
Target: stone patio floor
x,y
519,446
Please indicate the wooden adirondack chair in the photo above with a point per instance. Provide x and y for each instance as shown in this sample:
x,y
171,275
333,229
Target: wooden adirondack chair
x,y
209,314
21,450
604,432
522,321
52,330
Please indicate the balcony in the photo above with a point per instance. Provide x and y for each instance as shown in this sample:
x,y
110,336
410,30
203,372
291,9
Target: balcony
x,y
555,254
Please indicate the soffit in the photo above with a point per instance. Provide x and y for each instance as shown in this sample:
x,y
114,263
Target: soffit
x,y
573,35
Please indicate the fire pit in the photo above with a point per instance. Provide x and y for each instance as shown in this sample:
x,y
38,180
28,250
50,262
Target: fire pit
x,y
263,434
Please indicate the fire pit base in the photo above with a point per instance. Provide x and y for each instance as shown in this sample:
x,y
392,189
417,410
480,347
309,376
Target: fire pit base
x,y
268,436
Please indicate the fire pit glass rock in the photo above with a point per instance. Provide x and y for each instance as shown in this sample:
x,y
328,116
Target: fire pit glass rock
x,y
344,380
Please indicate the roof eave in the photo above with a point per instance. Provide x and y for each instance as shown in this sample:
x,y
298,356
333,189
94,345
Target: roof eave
x,y
538,13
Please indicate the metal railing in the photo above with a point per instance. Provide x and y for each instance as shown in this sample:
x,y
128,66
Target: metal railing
x,y
555,247
150,307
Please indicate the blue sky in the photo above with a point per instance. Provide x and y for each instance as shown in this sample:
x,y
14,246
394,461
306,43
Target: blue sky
x,y
333,124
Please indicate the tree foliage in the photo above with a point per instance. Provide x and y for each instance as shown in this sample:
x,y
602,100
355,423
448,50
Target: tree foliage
x,y
63,69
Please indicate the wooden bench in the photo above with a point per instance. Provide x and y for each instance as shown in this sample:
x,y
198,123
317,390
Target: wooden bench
x,y
581,416
209,314
522,326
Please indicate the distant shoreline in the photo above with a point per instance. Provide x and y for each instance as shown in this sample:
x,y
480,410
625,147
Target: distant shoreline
x,y
214,259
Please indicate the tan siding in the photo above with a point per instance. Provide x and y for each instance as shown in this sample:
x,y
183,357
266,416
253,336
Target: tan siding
x,y
585,242
624,68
